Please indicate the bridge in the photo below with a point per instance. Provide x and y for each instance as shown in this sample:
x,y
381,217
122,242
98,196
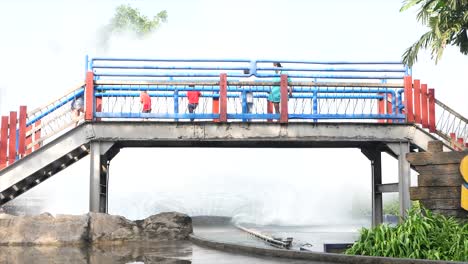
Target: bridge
x,y
374,106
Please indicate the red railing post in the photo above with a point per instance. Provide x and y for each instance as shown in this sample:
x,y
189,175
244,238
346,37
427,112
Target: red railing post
x,y
223,97
432,124
98,106
12,138
417,101
89,96
216,108
37,135
381,107
3,142
284,93
269,110
29,137
23,114
453,140
461,143
409,99
424,108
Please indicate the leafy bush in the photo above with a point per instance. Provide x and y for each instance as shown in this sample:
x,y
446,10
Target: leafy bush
x,y
422,235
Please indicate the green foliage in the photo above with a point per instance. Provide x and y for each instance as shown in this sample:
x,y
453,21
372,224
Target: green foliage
x,y
448,23
423,235
129,20
392,207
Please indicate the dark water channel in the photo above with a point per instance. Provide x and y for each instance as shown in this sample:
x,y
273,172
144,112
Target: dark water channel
x,y
179,252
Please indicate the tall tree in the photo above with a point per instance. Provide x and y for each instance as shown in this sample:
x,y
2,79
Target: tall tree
x,y
448,24
130,20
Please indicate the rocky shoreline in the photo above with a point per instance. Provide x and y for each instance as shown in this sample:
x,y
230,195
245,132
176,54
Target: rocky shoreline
x,y
92,228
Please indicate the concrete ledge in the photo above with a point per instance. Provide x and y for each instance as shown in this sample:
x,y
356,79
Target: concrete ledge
x,y
313,256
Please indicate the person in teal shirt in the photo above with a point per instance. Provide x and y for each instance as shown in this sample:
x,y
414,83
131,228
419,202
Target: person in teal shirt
x,y
275,93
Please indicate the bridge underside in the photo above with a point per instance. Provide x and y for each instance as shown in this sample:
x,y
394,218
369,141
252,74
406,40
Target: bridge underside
x,y
103,140
255,135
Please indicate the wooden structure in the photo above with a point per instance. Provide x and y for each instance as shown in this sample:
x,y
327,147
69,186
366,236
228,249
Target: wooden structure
x,y
439,180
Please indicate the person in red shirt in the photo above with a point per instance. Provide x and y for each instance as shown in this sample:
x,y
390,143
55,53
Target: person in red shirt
x,y
145,101
193,98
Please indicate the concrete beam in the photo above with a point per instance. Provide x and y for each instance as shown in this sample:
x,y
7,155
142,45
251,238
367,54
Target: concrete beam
x,y
208,134
387,188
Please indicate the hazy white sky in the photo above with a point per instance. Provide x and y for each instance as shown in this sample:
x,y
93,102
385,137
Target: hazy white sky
x,y
42,55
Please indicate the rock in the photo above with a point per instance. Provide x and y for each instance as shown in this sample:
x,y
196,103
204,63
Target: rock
x,y
46,229
43,229
172,226
111,228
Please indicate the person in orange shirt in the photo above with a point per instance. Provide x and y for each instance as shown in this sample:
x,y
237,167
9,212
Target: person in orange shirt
x,y
145,101
193,98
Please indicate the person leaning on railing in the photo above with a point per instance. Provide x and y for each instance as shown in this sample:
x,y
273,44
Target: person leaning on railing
x,y
77,106
275,93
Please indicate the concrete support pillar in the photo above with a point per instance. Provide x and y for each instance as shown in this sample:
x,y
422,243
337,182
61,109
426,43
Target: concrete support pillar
x,y
404,174
375,157
404,178
95,178
101,155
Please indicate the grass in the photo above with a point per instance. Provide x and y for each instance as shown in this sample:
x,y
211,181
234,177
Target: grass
x,y
422,235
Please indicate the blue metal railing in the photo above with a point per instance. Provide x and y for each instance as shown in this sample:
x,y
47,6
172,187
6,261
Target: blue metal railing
x,y
242,68
130,76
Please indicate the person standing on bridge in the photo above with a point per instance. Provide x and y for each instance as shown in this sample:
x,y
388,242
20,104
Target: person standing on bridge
x,y
193,99
145,101
275,93
77,106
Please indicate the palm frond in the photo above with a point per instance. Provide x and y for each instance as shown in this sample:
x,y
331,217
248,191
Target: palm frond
x,y
410,56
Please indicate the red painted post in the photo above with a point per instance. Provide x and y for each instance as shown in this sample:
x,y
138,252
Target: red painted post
x,y
432,124
37,135
22,130
89,96
389,106
269,110
223,97
460,142
12,138
381,107
417,101
453,137
98,106
424,108
453,141
216,108
284,93
409,99
29,140
3,142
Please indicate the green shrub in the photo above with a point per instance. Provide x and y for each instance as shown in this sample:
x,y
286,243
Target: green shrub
x,y
422,235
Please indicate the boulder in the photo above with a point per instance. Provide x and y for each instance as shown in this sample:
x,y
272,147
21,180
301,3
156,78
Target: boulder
x,y
169,226
43,229
46,229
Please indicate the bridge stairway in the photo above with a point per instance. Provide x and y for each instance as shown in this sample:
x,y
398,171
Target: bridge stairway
x,y
37,167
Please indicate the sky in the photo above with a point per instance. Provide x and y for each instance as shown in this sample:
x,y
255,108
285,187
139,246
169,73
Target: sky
x,y
43,50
